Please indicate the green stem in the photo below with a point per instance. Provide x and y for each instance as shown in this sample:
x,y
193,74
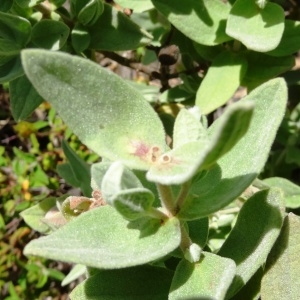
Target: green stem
x,y
186,242
182,195
157,214
167,198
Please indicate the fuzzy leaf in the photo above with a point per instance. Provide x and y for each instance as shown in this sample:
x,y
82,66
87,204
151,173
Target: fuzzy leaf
x,y
137,6
188,128
207,17
258,29
33,216
136,283
290,190
102,239
282,272
238,168
221,81
255,232
209,278
114,117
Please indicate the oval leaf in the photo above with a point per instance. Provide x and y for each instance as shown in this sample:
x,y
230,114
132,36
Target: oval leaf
x,y
258,29
255,232
238,168
221,81
209,278
282,272
137,283
202,21
56,37
102,238
114,117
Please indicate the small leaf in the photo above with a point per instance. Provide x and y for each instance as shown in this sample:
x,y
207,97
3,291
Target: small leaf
x,y
34,215
98,171
209,278
65,171
136,283
80,169
90,13
291,191
56,37
114,31
176,167
255,232
238,167
221,81
122,189
24,99
80,38
258,29
206,16
282,272
111,242
115,127
188,128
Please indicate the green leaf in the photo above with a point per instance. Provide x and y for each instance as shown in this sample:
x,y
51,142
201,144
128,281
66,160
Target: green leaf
x,y
255,232
137,283
282,272
198,231
207,17
11,70
56,37
123,190
65,171
24,99
90,13
258,29
76,272
209,278
114,117
15,28
27,3
8,47
238,168
34,215
290,190
98,171
188,128
290,41
180,164
111,242
6,5
137,6
114,31
231,127
262,67
221,81
80,38
80,169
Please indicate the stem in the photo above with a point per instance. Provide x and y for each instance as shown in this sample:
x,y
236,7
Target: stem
x,y
167,198
157,214
182,195
186,242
